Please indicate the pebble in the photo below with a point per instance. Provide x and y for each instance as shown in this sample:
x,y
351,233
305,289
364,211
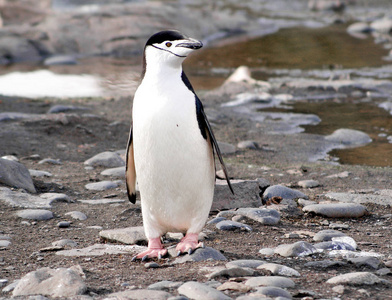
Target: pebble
x,y
277,281
304,202
267,251
39,173
264,216
248,145
234,286
63,224
77,215
337,210
197,290
324,264
245,263
165,285
280,270
4,243
200,254
339,226
357,278
15,174
232,272
118,172
297,249
273,292
101,185
102,249
35,214
105,159
231,225
64,242
226,148
371,262
141,294
327,235
50,161
151,265
128,235
283,192
341,175
308,184
103,201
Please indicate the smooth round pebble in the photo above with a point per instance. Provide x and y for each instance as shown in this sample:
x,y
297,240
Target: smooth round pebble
x,y
231,225
35,214
273,292
327,235
101,186
63,224
308,184
337,210
77,215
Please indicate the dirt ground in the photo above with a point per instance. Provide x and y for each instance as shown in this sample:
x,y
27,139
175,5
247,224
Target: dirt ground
x,y
75,137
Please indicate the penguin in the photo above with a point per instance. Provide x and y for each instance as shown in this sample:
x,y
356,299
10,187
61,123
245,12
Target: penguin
x,y
171,148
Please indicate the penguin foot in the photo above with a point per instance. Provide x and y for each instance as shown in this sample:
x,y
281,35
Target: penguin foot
x,y
155,249
189,244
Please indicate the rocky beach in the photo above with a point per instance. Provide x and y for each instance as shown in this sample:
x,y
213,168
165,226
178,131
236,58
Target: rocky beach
x,y
310,218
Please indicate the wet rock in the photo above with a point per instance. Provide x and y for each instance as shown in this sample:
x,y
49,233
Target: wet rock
x,y
234,286
337,210
273,292
59,282
35,214
245,263
327,235
201,254
337,226
101,185
197,290
283,192
324,264
118,172
382,25
371,262
39,173
232,272
129,235
105,159
139,295
77,215
102,249
24,200
297,249
281,270
357,278
308,184
349,138
231,225
277,281
16,175
264,216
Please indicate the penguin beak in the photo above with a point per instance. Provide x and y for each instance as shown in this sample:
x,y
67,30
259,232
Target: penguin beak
x,y
190,44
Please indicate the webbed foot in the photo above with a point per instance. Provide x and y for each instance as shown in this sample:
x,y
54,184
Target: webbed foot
x,y
189,243
155,249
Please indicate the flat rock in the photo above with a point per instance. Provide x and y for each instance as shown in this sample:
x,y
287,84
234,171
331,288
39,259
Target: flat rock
x,y
64,242
102,249
165,285
56,197
35,214
357,278
197,290
234,286
232,225
324,264
129,235
383,197
332,245
327,235
262,215
201,254
77,215
4,243
245,263
102,201
273,292
283,192
16,175
308,184
281,270
39,173
371,262
101,185
349,138
232,272
105,159
23,200
139,295
297,249
277,281
247,145
337,210
59,282
118,172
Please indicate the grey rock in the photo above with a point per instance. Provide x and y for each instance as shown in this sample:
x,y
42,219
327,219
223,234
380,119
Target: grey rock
x,y
56,197
267,251
16,48
273,292
11,286
332,245
35,214
297,249
226,148
248,145
151,265
129,235
101,185
262,215
231,225
118,172
60,60
39,173
14,116
3,283
341,175
359,27
102,249
246,195
232,272
349,138
55,109
308,184
4,244
324,264
336,226
245,263
59,282
281,270
201,254
200,291
139,295
50,161
64,242
282,191
63,224
263,183
327,235
383,197
15,174
371,262
106,159
24,200
165,285
277,281
384,272
382,25
103,201
304,202
345,240
77,215
337,210
357,278
216,220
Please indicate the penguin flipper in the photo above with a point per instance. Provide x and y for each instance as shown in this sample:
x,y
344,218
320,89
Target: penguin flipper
x,y
130,172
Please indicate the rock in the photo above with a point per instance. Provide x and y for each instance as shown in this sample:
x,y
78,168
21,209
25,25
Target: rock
x,y
196,290
226,148
55,197
382,25
165,285
3,282
105,159
382,198
102,249
38,173
349,138
371,262
324,264
273,292
332,245
129,235
327,235
55,109
308,184
16,175
201,254
246,195
344,174
4,243
139,295
277,281
77,215
232,272
216,220
248,145
283,192
60,60
151,265
262,215
267,251
35,214
10,157
15,48
59,282
103,201
231,225
101,185
50,161
359,27
357,278
234,286
297,249
245,263
64,242
63,224
384,272
304,202
118,172
337,226
345,240
337,210
24,200
326,5
281,270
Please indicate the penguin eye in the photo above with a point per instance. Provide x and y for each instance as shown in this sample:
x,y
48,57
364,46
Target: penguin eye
x,y
168,44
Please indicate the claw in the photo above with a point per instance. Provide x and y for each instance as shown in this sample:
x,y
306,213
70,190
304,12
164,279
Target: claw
x,y
144,258
190,251
134,258
178,253
202,245
159,256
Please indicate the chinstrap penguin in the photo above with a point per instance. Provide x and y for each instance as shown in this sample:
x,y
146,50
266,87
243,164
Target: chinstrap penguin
x,y
171,147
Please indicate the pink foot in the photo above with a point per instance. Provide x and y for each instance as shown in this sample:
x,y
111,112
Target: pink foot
x,y
189,243
155,249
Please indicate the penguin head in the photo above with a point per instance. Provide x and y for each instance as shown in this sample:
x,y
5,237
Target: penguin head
x,y
169,47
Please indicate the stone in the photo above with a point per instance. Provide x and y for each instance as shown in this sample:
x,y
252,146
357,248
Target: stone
x,y
101,185
39,173
128,235
262,215
118,172
60,60
246,195
232,272
371,262
63,224
273,292
384,272
4,243
280,270
248,145
308,184
332,245
324,264
347,138
165,285
64,242
337,210
226,148
345,240
304,202
245,263
232,225
23,200
3,282
341,175
56,197
77,215
103,201
277,281
283,192
55,109
201,254
197,290
267,251
14,174
357,278
35,214
102,249
50,161
59,282
383,197
140,294
382,25
105,159
216,220
234,286
151,265
327,235
359,27
297,249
